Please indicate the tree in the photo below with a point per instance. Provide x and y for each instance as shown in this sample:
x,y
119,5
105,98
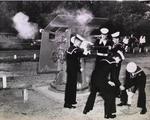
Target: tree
x,y
6,13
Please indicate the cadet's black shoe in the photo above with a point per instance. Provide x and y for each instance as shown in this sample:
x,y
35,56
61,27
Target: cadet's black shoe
x,y
112,116
106,116
109,116
75,102
69,106
121,104
143,111
85,111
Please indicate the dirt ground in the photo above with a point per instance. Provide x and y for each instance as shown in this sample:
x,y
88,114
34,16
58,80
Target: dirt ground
x,y
48,105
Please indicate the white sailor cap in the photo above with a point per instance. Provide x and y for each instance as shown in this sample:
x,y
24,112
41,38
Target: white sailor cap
x,y
116,34
131,67
41,30
73,39
104,30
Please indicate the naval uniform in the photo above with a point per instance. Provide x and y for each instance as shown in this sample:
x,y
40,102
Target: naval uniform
x,y
102,48
118,51
102,52
137,80
73,68
99,83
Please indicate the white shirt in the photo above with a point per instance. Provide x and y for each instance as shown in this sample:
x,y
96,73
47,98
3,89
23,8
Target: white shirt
x,y
103,41
142,40
125,40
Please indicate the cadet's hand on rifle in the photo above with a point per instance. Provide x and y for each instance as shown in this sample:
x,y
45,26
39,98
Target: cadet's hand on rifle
x,y
86,52
109,47
122,87
111,83
117,59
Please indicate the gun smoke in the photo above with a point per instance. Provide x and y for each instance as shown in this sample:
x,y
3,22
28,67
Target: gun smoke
x,y
80,16
84,16
26,29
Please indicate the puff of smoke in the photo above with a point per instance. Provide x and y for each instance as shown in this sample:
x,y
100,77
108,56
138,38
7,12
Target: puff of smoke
x,y
26,29
84,16
80,16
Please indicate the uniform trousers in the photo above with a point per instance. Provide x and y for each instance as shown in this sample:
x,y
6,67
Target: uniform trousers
x,y
109,101
71,87
141,95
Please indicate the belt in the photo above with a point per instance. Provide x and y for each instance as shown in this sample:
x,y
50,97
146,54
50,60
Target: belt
x,y
102,54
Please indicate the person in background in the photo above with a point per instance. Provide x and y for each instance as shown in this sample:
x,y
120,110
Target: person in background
x,y
142,42
125,43
135,79
132,43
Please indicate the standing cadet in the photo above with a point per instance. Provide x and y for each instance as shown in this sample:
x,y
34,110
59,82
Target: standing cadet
x,y
118,51
136,78
102,46
78,48
104,81
73,67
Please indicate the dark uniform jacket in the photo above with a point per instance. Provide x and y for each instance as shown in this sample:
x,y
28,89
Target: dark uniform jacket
x,y
73,69
73,58
101,48
135,80
102,51
107,72
118,51
116,48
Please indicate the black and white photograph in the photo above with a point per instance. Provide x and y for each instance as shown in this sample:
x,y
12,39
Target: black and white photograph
x,y
75,60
